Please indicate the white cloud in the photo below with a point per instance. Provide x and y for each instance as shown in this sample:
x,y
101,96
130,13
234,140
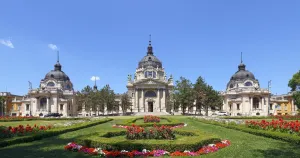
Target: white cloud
x,y
52,46
95,78
7,43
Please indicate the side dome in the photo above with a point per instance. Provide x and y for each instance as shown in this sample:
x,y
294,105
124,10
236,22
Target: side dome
x,y
242,74
57,74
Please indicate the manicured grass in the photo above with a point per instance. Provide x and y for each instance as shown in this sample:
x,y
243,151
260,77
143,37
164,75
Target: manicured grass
x,y
242,144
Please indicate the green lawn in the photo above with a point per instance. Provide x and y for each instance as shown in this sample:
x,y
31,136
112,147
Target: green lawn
x,y
243,144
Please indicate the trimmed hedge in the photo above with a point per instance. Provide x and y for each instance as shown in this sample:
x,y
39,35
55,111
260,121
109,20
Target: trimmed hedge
x,y
50,133
171,122
45,119
117,141
269,134
263,117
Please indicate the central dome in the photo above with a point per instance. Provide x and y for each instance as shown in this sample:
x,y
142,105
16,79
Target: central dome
x,y
150,60
57,74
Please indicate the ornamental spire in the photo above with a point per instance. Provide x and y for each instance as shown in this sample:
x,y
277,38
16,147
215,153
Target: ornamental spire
x,y
150,50
58,56
241,57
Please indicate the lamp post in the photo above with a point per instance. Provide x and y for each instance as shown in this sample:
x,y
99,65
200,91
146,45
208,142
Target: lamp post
x,y
269,95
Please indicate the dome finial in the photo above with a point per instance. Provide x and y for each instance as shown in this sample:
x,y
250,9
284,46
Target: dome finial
x,y
58,56
241,57
57,66
150,50
95,86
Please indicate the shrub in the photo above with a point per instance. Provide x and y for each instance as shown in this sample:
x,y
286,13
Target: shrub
x,y
156,132
184,141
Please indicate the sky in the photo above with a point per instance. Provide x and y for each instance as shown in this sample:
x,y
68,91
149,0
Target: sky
x,y
107,39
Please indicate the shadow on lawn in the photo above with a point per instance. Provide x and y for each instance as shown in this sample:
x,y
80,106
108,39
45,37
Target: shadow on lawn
x,y
283,150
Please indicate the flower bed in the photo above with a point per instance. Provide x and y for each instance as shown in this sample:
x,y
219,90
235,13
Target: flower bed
x,y
155,132
17,118
279,125
135,153
169,121
31,118
151,118
6,132
172,127
49,133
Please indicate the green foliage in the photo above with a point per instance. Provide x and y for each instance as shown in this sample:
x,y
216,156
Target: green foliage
x,y
183,142
49,133
184,95
94,99
125,102
265,133
296,97
295,81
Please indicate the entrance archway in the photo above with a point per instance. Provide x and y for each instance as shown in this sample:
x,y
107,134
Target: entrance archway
x,y
150,106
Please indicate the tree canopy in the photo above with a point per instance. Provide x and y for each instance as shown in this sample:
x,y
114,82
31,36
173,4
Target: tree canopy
x,y
295,81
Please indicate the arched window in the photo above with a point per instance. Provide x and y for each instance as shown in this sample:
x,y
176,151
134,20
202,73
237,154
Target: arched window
x,y
150,94
231,86
50,84
248,84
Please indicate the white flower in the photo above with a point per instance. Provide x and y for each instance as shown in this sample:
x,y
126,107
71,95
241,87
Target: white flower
x,y
124,151
144,151
78,147
185,124
212,145
186,151
69,143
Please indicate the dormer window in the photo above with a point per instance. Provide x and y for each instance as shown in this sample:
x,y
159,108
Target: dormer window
x,y
50,84
150,74
248,84
231,86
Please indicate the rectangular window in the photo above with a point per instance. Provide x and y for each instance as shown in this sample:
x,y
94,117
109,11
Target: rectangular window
x,y
238,106
230,107
69,107
27,107
154,74
264,101
61,106
271,107
149,73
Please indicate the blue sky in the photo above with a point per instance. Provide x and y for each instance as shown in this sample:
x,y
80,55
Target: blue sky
x,y
108,38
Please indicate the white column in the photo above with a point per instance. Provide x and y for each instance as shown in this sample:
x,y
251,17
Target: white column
x,y
158,99
143,100
251,103
293,106
164,100
135,98
138,101
47,106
